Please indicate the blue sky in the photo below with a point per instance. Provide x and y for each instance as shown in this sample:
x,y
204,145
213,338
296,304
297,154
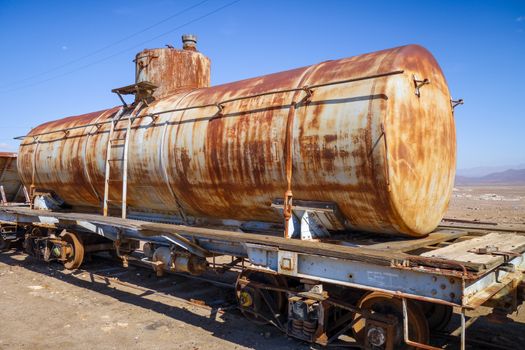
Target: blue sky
x,y
480,46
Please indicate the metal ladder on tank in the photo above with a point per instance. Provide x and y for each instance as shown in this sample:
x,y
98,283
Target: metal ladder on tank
x,y
116,141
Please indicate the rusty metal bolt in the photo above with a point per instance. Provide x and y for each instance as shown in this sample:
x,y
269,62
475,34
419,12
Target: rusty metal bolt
x,y
376,336
245,299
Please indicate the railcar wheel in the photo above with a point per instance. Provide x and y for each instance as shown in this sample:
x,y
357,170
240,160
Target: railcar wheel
x,y
437,315
388,305
259,305
76,254
4,245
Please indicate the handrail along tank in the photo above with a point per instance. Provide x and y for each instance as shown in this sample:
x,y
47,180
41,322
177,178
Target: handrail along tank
x,y
373,134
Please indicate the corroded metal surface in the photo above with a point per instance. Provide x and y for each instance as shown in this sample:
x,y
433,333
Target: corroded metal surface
x,y
172,70
12,186
369,143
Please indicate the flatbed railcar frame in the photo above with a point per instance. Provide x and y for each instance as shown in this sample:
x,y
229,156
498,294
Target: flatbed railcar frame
x,y
314,290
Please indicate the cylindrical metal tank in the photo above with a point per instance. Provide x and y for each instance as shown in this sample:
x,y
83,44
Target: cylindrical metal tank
x,y
373,134
12,190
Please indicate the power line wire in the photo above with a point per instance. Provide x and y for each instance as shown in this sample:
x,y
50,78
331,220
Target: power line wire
x,y
123,51
15,127
109,45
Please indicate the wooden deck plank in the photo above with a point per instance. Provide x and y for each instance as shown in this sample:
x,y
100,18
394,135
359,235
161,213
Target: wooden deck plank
x,y
461,251
413,244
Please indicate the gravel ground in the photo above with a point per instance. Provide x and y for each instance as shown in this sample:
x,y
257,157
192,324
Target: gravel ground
x,y
501,204
43,306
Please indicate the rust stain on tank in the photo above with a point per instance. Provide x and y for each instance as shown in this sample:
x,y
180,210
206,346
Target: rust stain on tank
x,y
162,67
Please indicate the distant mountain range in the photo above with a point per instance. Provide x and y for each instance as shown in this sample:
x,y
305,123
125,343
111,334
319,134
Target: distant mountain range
x,y
509,176
486,170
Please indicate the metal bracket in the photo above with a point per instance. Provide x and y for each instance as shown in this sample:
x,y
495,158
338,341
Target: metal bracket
x,y
143,61
418,84
309,92
305,222
154,118
122,99
219,113
455,103
309,219
494,250
186,244
117,243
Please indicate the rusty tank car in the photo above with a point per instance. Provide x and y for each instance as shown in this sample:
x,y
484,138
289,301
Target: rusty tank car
x,y
11,188
372,136
195,172
12,193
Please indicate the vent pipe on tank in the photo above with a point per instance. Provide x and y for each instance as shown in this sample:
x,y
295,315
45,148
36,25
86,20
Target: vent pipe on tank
x,y
189,42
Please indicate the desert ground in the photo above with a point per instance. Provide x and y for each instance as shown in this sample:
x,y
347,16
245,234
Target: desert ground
x,y
104,306
502,204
